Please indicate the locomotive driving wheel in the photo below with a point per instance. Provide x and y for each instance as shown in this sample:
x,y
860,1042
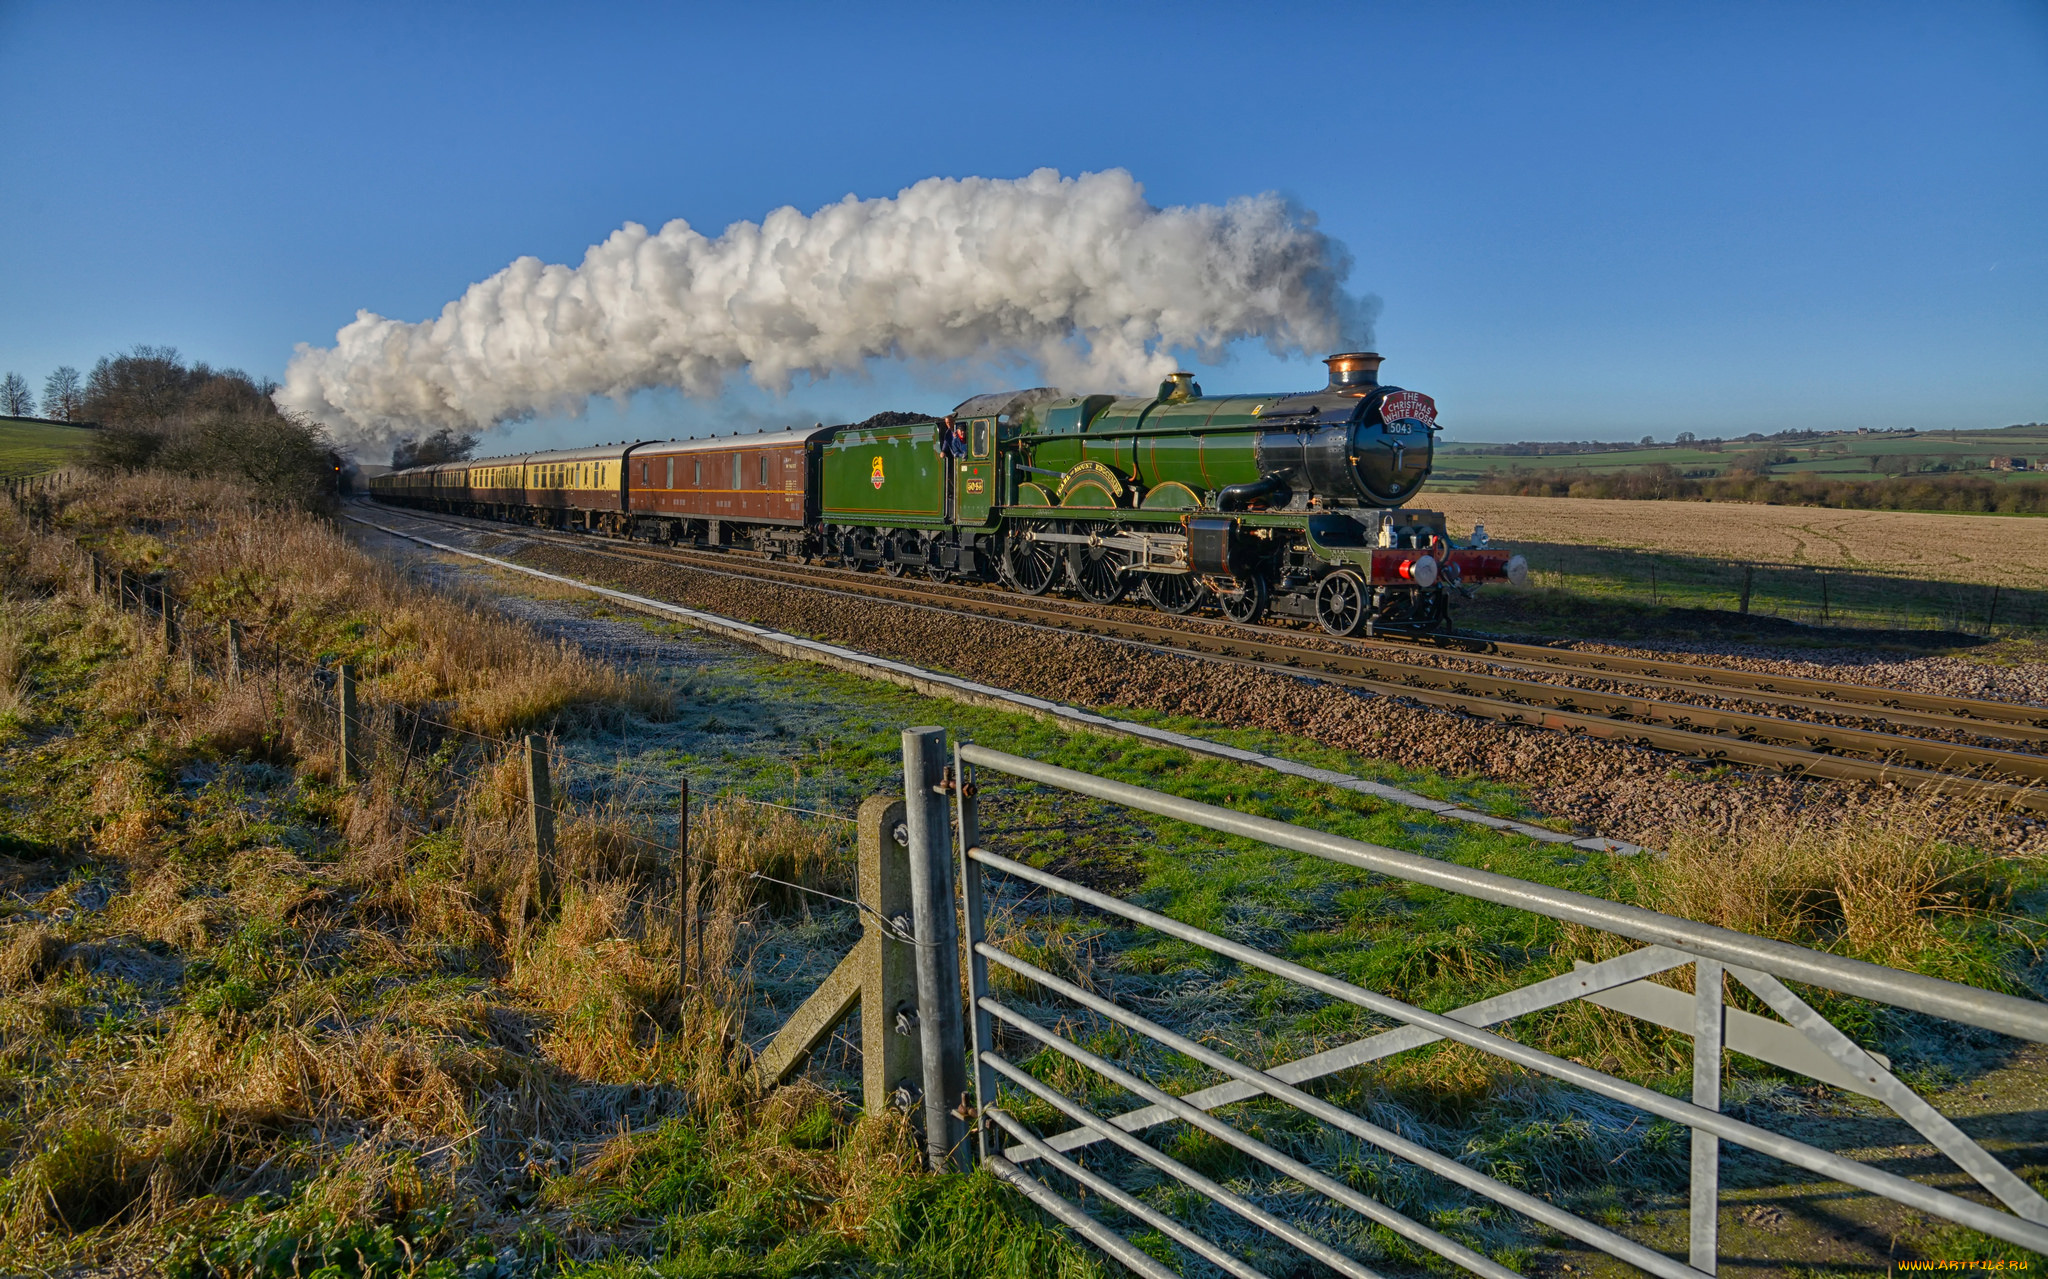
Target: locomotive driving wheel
x,y
1032,567
894,547
1341,603
1244,601
1099,572
1176,593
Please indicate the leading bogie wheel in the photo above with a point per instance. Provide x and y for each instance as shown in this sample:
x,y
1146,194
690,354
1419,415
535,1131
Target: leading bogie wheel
x,y
1341,603
1244,601
1176,593
1032,567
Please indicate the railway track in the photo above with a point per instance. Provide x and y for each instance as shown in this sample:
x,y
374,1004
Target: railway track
x,y
1504,690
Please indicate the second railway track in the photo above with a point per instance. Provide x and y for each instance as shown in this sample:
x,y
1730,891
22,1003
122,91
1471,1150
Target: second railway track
x,y
1499,690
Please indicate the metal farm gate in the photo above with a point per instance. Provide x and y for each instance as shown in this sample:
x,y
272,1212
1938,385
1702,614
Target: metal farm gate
x,y
938,828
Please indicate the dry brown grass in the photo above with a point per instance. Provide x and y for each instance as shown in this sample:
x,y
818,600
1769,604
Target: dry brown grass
x,y
1876,885
2008,550
383,1003
302,590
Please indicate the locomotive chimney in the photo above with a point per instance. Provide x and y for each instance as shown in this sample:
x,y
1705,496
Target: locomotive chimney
x,y
1355,371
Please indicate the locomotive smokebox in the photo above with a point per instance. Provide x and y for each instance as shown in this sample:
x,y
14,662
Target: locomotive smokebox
x,y
1356,371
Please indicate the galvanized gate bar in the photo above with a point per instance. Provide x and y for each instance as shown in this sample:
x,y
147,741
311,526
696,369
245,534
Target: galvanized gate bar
x,y
1117,1195
1364,1205
1442,1165
1704,1215
938,948
1180,1172
1971,1005
1927,1199
1548,993
1134,1258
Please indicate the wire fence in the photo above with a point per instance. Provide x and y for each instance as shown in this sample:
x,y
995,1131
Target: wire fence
x,y
321,709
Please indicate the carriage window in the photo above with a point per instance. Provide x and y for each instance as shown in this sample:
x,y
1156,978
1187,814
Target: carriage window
x,y
699,481
671,474
764,470
736,463
980,442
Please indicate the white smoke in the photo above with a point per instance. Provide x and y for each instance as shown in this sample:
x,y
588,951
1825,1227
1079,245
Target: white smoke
x,y
1080,275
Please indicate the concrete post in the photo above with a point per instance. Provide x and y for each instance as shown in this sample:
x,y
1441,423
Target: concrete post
x,y
932,904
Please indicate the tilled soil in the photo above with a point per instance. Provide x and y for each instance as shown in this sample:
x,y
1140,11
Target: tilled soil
x,y
1601,787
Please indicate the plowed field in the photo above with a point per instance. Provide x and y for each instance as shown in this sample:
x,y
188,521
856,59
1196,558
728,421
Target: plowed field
x,y
2012,550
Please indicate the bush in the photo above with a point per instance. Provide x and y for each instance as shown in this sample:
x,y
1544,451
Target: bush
x,y
157,414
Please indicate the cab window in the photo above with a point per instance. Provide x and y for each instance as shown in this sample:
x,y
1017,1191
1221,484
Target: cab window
x,y
978,439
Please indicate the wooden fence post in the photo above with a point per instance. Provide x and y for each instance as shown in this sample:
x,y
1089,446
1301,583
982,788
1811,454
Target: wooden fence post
x,y
351,748
167,618
1748,575
540,813
234,653
888,1022
879,977
688,960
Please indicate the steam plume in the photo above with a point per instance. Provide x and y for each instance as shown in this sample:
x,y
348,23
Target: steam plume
x,y
1080,275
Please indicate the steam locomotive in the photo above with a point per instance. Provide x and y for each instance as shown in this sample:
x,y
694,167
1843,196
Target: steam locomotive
x,y
1289,505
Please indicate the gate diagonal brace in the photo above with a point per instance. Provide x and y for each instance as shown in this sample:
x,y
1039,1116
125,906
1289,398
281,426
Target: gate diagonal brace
x,y
1875,1079
878,977
1622,970
1619,985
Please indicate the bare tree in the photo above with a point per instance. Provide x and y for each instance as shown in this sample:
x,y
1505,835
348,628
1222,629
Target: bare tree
x,y
63,394
16,400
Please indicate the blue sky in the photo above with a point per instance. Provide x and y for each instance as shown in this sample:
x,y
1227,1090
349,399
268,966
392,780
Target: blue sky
x,y
1584,220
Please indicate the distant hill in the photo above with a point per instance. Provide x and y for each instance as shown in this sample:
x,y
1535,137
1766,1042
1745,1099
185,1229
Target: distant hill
x,y
32,445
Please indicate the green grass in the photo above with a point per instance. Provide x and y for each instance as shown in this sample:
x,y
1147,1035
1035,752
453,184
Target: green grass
x,y
287,948
31,448
1841,455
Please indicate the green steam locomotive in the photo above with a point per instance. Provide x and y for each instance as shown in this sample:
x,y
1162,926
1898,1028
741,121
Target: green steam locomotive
x,y
1289,504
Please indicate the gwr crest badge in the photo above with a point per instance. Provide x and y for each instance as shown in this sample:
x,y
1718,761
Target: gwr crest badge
x,y
875,472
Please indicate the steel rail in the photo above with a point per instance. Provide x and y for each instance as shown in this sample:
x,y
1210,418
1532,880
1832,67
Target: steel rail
x,y
1218,639
1990,1010
1662,725
1842,693
1832,696
1976,715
